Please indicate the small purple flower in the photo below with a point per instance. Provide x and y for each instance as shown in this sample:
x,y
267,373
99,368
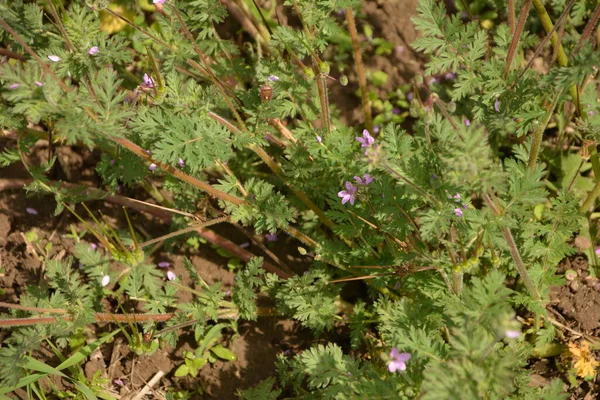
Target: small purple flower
x,y
271,237
497,105
105,280
434,176
399,50
398,360
228,293
148,81
376,129
118,382
597,251
434,80
93,50
396,111
164,264
94,246
54,58
364,181
31,210
449,76
181,163
112,162
511,334
349,194
273,78
40,84
367,140
456,197
467,122
458,212
148,151
14,86
465,206
171,275
591,112
245,245
152,167
319,139
409,96
158,1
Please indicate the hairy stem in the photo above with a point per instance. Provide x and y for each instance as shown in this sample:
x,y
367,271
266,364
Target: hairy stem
x,y
538,134
514,252
360,69
562,59
134,148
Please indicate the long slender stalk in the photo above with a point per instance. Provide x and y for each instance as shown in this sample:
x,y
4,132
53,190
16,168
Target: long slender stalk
x,y
589,27
514,252
134,148
562,59
517,32
538,134
360,69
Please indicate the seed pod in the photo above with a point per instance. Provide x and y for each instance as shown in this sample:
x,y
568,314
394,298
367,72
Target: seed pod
x,y
266,93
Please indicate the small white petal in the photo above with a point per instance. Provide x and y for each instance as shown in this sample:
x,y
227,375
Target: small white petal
x,y
105,280
171,275
54,58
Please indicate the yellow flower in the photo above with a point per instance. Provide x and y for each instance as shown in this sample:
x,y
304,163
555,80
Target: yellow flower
x,y
583,360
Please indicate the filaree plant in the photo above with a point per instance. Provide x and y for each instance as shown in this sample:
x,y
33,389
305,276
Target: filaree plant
x,y
455,203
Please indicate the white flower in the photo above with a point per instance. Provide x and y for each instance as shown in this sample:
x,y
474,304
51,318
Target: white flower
x,y
171,275
54,58
105,280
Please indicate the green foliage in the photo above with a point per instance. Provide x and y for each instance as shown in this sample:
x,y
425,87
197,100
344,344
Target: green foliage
x,y
440,217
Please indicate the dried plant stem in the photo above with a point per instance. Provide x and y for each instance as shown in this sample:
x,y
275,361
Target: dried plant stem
x,y
517,32
360,69
134,148
562,59
191,228
511,16
136,27
148,386
240,253
514,252
324,101
589,27
61,28
12,54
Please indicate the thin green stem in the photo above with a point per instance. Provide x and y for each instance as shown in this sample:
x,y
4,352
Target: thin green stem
x,y
538,134
514,252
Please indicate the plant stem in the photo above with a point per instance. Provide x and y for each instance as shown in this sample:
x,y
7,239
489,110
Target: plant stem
x,y
562,59
134,148
514,252
360,69
538,135
517,32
